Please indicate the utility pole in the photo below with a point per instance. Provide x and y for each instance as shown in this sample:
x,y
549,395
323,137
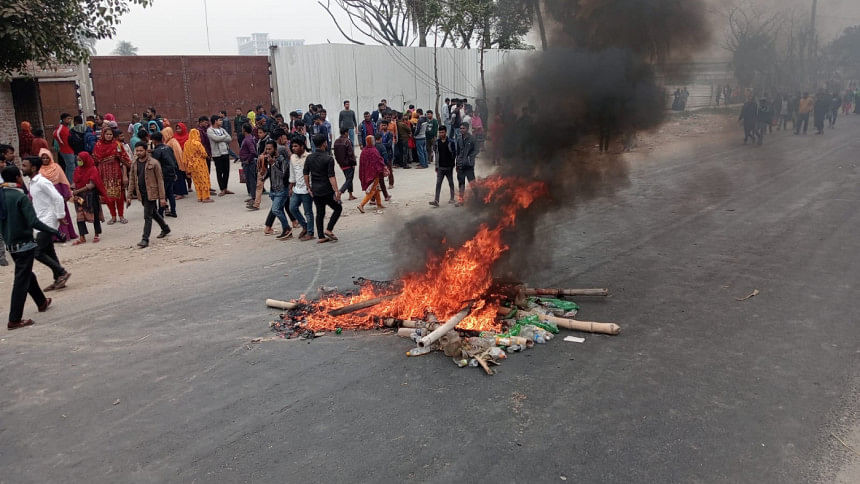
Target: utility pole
x,y
206,20
813,43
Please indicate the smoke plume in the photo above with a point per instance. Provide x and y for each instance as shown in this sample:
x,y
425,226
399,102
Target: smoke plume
x,y
598,76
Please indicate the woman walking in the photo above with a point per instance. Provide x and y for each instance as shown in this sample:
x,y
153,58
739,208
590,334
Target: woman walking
x,y
195,161
181,136
55,174
371,168
180,189
112,162
87,205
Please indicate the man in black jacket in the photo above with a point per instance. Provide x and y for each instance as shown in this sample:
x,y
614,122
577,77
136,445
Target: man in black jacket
x,y
749,116
17,221
465,161
446,154
169,165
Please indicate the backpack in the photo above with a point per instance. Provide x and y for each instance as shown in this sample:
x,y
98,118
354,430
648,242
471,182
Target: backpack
x,y
77,141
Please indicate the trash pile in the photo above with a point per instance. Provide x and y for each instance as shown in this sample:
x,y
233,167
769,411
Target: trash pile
x,y
523,317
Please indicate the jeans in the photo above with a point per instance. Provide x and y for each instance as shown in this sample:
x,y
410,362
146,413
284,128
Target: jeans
x,y
305,200
222,170
431,142
464,173
421,146
401,153
352,136
250,170
441,174
150,213
279,199
336,209
69,164
25,283
46,254
349,173
171,199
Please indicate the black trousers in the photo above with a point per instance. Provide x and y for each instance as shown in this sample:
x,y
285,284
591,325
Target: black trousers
x,y
463,174
321,203
441,174
222,170
349,174
150,213
171,199
97,226
46,254
25,283
802,120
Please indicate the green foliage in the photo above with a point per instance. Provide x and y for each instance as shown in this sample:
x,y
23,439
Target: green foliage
x,y
50,32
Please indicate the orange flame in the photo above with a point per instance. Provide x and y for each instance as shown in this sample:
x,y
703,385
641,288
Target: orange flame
x,y
449,281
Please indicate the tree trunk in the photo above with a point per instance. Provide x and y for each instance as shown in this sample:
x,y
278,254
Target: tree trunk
x,y
541,28
436,69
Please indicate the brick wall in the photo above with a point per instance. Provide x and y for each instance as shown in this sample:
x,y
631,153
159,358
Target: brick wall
x,y
8,127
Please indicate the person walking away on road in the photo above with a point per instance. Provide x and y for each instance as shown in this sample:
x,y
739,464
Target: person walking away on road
x,y
446,154
346,119
344,153
749,117
366,128
113,162
299,193
66,152
55,174
764,118
465,161
89,188
319,176
180,189
248,156
804,108
262,169
195,161
420,134
821,108
278,168
370,172
165,157
17,221
147,185
381,148
50,209
219,139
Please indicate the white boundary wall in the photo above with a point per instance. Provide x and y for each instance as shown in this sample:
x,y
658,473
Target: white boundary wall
x,y
329,74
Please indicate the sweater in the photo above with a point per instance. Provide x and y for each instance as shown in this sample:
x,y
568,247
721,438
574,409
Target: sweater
x,y
18,219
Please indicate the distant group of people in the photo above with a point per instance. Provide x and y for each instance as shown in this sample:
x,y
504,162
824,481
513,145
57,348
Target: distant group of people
x,y
777,110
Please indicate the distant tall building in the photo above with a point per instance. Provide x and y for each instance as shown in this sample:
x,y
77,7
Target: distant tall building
x,y
258,43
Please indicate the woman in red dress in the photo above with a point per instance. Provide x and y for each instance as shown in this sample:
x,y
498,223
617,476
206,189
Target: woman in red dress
x,y
113,163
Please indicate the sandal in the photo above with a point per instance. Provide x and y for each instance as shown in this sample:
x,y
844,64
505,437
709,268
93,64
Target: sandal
x,y
96,239
322,240
331,237
79,242
360,208
123,220
111,221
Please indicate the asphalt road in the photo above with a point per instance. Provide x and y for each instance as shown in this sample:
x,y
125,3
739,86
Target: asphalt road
x,y
154,379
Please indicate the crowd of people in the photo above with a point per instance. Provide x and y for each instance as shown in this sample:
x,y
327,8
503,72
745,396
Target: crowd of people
x,y
777,109
94,162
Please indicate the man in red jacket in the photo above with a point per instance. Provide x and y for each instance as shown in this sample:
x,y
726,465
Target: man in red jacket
x,y
67,153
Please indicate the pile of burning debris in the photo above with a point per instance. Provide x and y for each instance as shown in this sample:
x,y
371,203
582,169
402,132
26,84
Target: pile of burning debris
x,y
521,317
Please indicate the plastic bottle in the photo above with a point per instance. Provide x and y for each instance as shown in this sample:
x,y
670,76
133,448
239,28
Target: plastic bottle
x,y
498,353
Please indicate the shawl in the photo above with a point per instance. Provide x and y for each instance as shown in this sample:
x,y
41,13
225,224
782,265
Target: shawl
x,y
370,166
181,134
105,149
134,137
170,141
149,126
25,139
51,170
194,150
87,173
109,117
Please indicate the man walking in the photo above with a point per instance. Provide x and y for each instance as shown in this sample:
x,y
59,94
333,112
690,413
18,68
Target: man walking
x,y
804,107
248,155
465,161
319,176
146,183
347,120
344,153
299,192
51,210
67,152
446,154
220,139
17,221
432,132
749,115
821,107
169,166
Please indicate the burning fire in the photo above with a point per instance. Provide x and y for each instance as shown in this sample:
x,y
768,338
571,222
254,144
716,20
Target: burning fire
x,y
449,281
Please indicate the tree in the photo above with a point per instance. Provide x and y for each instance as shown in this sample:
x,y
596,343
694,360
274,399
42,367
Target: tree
x,y
124,48
752,42
50,32
844,53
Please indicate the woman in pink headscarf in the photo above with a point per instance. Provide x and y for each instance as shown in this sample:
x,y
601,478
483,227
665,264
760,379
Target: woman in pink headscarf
x,y
55,174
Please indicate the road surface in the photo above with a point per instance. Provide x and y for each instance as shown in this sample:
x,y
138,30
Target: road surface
x,y
153,378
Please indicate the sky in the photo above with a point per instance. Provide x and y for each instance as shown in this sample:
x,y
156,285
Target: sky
x,y
173,27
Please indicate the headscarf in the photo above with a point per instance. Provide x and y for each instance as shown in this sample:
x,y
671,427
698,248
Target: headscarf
x,y
105,149
371,165
91,124
170,141
25,127
183,136
109,117
25,139
165,122
194,150
52,171
149,126
87,173
134,137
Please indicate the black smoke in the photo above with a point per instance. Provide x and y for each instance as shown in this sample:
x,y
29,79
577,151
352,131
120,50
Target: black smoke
x,y
598,76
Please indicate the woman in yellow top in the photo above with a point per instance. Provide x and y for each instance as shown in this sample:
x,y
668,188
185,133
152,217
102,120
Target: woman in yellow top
x,y
180,189
194,157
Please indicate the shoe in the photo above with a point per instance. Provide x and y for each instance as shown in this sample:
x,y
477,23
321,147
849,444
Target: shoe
x,y
452,201
44,307
18,324
306,237
171,214
61,281
252,208
458,204
285,235
164,233
4,262
434,204
248,200
303,233
143,244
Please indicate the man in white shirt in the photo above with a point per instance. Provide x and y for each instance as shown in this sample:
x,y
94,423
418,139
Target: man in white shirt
x,y
219,140
50,210
299,193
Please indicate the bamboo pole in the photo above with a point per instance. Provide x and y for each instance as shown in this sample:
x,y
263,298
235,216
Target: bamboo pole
x,y
274,303
351,308
551,291
573,324
443,329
